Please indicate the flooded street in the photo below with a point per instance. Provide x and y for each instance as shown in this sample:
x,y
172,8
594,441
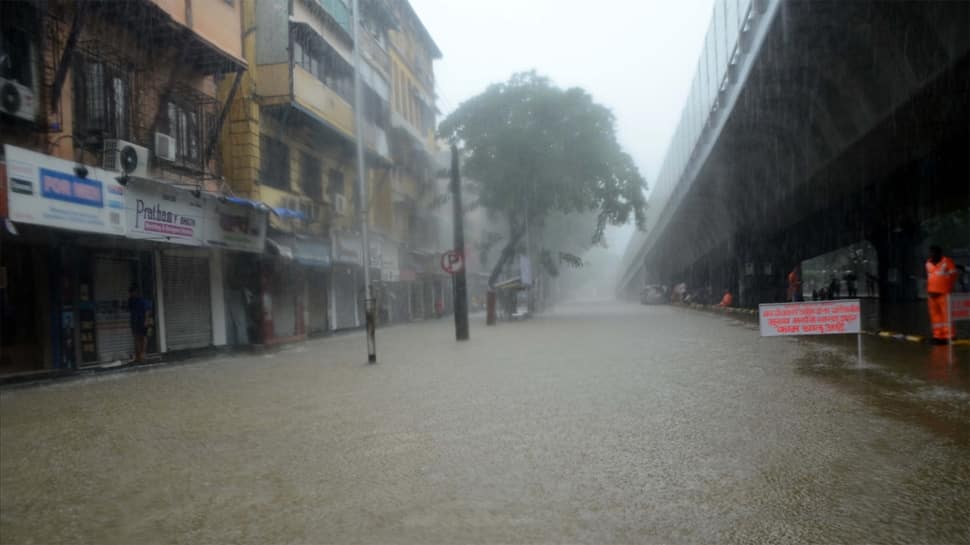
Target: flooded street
x,y
595,423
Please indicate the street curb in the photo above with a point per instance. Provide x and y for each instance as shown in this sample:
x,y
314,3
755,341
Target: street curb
x,y
885,334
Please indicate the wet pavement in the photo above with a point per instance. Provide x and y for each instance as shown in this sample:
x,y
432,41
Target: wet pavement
x,y
597,423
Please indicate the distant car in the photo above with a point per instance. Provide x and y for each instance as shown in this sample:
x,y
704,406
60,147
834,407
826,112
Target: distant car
x,y
653,295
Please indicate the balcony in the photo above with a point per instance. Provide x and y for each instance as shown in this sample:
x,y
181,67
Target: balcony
x,y
374,51
337,11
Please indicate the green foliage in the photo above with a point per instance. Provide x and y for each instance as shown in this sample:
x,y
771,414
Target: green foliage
x,y
536,148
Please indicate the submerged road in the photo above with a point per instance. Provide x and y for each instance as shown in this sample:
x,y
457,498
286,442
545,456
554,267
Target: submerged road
x,y
595,423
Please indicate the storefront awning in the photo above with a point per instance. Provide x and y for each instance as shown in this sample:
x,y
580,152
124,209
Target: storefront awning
x,y
275,248
289,213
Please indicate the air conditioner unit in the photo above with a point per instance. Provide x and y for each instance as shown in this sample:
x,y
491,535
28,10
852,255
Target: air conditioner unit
x,y
123,156
340,204
165,147
17,100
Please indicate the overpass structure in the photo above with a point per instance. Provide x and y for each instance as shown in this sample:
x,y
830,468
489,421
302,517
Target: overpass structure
x,y
812,125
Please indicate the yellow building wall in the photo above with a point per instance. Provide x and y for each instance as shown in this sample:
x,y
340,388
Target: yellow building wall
x,y
215,21
323,101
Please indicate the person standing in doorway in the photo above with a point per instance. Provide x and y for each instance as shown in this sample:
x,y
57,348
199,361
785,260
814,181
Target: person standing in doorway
x,y
940,275
137,320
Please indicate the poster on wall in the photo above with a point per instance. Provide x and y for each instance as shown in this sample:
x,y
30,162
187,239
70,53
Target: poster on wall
x,y
160,212
45,190
234,226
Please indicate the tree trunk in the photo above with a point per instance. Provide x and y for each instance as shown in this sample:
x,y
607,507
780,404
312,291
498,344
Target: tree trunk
x,y
507,253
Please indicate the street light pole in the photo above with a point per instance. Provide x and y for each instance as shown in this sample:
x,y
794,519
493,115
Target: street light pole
x,y
362,208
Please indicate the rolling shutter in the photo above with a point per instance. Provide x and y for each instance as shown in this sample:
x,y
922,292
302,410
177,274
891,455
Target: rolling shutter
x,y
188,312
112,276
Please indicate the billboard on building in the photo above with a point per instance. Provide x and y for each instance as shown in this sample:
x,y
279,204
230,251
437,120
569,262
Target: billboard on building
x,y
45,190
234,226
157,211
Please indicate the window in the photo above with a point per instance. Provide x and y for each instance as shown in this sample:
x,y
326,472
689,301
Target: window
x,y
101,100
310,176
182,122
274,164
321,60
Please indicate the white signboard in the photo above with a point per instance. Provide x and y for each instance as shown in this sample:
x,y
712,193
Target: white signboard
x,y
44,190
159,212
810,318
390,263
234,226
959,307
346,249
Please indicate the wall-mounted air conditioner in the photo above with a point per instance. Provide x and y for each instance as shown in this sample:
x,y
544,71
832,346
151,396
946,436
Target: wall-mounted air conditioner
x,y
165,147
123,156
17,100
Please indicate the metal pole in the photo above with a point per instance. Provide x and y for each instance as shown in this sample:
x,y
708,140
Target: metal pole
x,y
362,208
949,329
859,348
460,285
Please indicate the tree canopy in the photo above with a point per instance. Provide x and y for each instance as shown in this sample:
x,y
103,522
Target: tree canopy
x,y
536,148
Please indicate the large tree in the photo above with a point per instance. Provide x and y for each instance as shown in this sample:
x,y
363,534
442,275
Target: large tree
x,y
536,149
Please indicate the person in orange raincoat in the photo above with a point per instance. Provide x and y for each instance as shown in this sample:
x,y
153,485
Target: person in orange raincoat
x,y
727,300
940,274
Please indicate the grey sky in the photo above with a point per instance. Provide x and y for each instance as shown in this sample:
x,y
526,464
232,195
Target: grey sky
x,y
635,56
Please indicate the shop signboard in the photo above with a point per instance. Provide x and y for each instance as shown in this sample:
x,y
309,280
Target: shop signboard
x,y
390,263
157,211
234,226
311,252
346,249
45,190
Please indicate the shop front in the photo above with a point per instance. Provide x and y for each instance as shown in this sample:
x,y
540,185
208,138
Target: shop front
x,y
172,221
65,269
314,256
237,228
346,281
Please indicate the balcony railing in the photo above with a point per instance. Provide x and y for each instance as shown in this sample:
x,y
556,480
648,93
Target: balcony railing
x,y
374,51
339,11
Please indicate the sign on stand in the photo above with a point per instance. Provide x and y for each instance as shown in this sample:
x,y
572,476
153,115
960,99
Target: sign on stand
x,y
959,309
812,318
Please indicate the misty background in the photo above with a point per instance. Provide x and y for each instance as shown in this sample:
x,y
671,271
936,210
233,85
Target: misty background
x,y
636,58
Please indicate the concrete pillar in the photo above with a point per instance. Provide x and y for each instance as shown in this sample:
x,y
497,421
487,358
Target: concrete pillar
x,y
217,294
159,302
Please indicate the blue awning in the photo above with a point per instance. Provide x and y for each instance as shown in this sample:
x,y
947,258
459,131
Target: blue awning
x,y
289,213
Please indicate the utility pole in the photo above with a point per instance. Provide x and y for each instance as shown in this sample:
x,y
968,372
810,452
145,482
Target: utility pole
x,y
362,208
460,286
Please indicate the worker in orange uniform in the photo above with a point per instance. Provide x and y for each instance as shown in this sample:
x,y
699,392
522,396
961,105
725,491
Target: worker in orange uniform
x,y
727,300
940,275
795,286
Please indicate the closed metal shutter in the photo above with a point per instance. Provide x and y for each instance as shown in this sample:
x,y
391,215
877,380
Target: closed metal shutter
x,y
188,312
285,293
112,276
345,297
317,301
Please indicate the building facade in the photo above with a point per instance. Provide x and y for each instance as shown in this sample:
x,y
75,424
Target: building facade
x,y
203,153
110,129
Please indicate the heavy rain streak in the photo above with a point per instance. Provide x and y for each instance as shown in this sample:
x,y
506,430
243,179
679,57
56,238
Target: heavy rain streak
x,y
429,271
